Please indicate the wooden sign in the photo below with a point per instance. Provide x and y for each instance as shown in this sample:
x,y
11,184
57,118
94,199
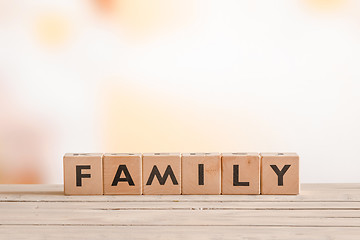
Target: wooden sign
x,y
175,173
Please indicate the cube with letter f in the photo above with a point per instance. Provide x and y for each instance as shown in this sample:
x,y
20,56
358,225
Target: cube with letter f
x,y
83,174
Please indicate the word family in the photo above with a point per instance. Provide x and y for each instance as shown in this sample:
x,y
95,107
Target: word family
x,y
175,173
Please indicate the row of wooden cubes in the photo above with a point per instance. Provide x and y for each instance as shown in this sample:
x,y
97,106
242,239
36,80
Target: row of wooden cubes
x,y
175,173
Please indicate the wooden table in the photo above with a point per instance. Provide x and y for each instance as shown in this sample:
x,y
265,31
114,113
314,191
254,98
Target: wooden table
x,y
321,211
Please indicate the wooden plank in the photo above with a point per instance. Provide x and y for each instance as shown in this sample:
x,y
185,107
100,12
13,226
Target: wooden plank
x,y
308,193
331,206
303,218
178,232
237,213
321,211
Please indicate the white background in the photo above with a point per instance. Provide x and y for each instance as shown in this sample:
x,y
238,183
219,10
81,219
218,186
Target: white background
x,y
182,76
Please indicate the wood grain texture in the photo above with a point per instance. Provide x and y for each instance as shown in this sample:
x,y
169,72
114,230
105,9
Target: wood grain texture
x,y
122,173
279,173
240,173
178,232
83,174
320,211
201,173
161,173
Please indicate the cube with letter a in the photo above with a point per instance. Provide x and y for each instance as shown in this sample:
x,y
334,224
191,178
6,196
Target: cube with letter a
x,y
279,173
122,173
83,174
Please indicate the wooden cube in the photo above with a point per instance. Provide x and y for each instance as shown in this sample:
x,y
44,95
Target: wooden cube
x,y
161,173
83,174
201,173
122,173
240,173
279,173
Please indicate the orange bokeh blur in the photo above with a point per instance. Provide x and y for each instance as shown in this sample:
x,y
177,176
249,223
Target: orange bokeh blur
x,y
168,75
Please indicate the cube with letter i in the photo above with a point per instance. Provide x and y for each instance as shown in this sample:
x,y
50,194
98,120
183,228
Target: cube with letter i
x,y
83,174
201,173
279,173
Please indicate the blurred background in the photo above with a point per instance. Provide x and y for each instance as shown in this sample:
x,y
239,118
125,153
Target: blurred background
x,y
171,75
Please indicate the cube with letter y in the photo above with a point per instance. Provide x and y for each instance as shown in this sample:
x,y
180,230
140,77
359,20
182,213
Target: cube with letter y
x,y
83,174
161,173
279,173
